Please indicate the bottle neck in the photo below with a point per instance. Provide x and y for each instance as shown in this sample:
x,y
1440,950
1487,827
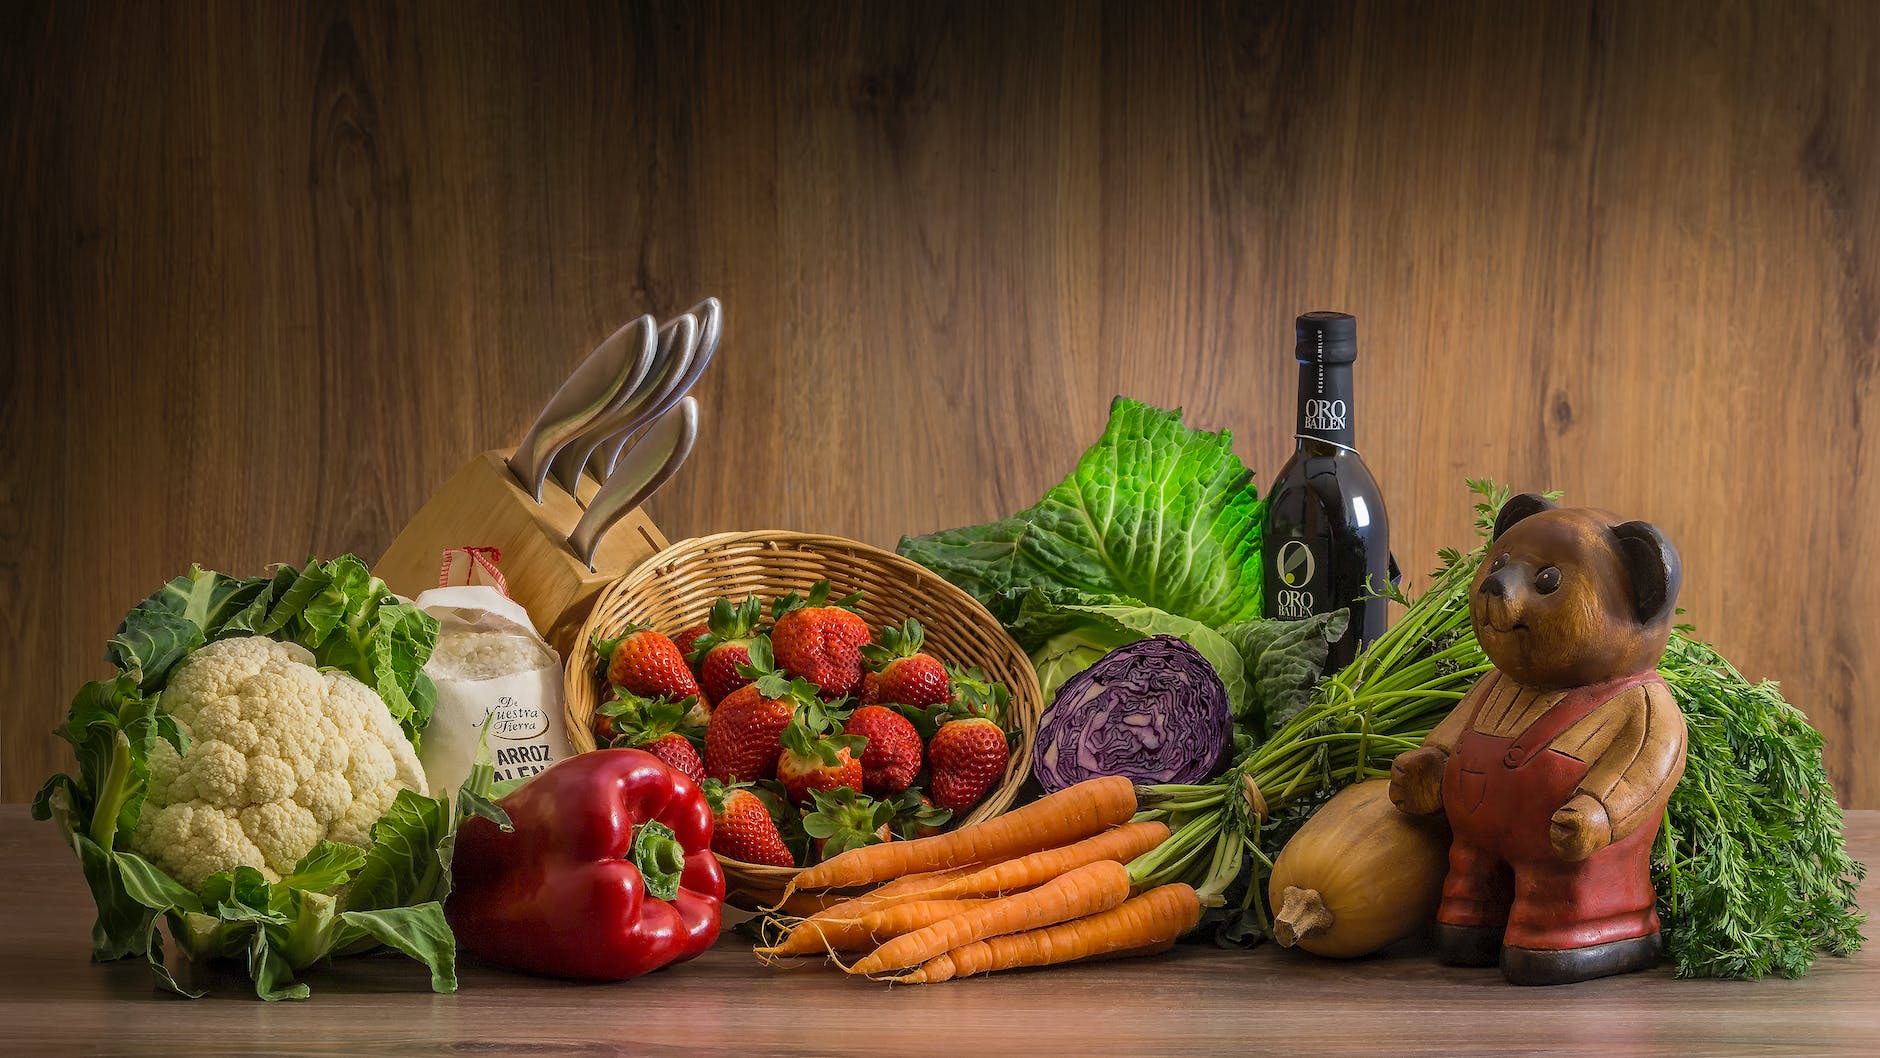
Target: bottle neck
x,y
1325,405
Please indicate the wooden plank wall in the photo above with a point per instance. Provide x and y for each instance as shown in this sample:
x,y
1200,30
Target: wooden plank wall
x,y
270,272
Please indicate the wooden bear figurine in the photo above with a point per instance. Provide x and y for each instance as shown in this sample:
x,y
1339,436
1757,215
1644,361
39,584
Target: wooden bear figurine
x,y
1555,769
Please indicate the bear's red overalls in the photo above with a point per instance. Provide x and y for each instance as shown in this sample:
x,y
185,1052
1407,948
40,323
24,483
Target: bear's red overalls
x,y
1500,794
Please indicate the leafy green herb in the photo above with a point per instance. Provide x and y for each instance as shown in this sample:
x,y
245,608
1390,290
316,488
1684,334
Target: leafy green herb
x,y
1155,514
1751,865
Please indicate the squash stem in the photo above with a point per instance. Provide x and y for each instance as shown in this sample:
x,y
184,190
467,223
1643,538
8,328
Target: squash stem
x,y
1302,913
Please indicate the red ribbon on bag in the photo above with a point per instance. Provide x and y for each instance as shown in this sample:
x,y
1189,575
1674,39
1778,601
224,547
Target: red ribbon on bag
x,y
470,566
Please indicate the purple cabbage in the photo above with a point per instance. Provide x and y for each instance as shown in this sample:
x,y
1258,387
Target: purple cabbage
x,y
1153,710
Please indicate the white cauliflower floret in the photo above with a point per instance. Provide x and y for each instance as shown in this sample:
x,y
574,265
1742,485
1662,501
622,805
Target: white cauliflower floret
x,y
280,756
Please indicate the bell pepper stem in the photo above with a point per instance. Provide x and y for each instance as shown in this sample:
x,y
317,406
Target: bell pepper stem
x,y
656,851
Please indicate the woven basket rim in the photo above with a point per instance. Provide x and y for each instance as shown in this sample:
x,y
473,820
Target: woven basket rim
x,y
1021,679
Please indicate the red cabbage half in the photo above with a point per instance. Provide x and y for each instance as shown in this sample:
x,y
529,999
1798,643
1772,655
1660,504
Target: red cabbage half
x,y
1153,710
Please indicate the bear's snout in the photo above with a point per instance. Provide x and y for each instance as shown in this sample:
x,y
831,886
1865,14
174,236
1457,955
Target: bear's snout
x,y
1495,586
1496,603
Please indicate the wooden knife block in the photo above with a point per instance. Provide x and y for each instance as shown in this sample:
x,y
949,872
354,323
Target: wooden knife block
x,y
483,505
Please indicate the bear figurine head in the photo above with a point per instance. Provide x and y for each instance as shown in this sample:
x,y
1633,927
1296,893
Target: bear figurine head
x,y
1570,596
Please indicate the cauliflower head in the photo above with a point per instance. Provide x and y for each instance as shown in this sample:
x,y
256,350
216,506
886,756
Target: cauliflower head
x,y
280,756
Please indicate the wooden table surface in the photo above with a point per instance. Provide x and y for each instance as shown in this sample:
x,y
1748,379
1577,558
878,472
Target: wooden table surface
x,y
53,1001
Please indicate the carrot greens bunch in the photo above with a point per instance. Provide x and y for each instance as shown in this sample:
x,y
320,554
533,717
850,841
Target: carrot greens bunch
x,y
1751,865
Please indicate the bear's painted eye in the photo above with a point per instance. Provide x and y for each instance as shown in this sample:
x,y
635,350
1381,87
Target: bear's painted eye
x,y
1547,581
1500,561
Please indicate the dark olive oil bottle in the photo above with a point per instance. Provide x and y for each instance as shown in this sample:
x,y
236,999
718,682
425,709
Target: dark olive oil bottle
x,y
1327,539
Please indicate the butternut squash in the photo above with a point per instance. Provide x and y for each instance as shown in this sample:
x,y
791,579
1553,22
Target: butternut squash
x,y
1359,875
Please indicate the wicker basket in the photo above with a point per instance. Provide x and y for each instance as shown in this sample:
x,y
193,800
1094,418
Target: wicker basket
x,y
676,588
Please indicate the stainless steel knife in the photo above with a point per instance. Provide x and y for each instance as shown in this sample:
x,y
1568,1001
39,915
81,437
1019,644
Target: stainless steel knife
x,y
618,363
710,316
633,410
647,465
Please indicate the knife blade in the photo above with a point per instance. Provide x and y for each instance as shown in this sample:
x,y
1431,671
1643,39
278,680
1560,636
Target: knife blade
x,y
617,363
633,410
710,315
653,459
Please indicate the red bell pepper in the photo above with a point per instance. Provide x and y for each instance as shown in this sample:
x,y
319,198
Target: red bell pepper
x,y
607,874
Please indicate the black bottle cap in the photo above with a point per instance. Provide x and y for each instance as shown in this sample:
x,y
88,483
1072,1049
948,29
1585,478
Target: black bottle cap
x,y
1326,338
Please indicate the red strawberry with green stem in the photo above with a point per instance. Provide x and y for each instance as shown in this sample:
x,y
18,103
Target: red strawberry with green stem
x,y
725,648
687,639
968,753
746,732
677,752
647,663
742,828
916,816
816,754
819,640
892,756
903,673
657,726
844,819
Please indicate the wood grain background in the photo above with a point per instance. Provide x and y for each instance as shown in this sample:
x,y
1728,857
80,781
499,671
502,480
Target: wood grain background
x,y
270,272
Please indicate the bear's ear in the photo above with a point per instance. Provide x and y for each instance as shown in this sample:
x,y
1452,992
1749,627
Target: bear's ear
x,y
1654,566
1517,508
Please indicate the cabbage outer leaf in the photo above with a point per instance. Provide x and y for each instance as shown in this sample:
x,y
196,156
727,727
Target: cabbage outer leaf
x,y
1155,513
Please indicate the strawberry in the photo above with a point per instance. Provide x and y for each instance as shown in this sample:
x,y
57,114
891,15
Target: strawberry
x,y
870,691
742,828
844,819
916,816
820,643
616,715
646,663
606,725
904,674
930,818
688,638
676,752
746,735
969,751
699,712
892,756
967,756
660,726
721,653
814,756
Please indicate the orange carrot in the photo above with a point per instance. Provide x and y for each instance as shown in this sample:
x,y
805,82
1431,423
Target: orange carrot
x,y
1087,890
1142,925
1121,844
819,935
809,903
834,911
942,967
895,891
1071,814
